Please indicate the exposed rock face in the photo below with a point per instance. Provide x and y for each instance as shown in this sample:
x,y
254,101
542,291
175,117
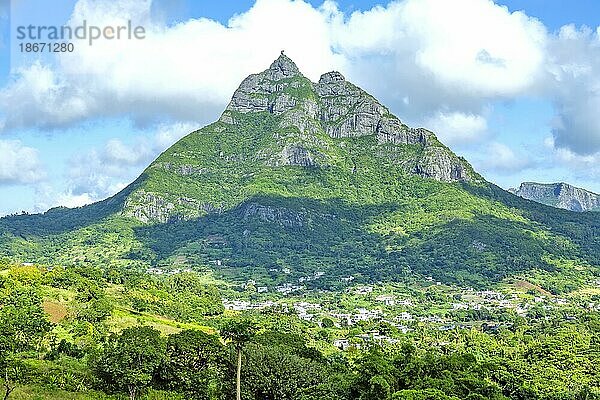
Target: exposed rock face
x,y
440,165
282,67
149,207
349,111
346,110
301,120
295,155
331,77
560,195
270,90
185,169
278,215
339,109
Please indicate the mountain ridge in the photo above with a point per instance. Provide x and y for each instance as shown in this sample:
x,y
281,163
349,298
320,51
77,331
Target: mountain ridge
x,y
560,195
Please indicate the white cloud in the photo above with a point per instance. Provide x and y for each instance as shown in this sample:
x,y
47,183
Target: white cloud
x,y
421,56
502,159
47,197
40,96
470,45
167,134
102,172
184,72
144,149
582,166
441,56
458,128
72,201
116,152
19,164
574,86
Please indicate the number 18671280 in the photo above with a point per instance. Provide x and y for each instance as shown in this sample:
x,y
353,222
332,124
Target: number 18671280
x,y
64,47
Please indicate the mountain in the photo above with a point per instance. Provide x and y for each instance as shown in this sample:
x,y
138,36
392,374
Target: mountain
x,y
307,177
276,120
561,195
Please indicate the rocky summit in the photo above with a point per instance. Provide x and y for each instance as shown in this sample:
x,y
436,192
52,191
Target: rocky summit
x,y
560,195
339,109
311,178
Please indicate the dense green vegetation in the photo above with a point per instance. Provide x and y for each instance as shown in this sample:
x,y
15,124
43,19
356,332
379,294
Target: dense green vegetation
x,y
96,355
456,234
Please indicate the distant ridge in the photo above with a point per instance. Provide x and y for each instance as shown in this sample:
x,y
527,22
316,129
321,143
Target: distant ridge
x,y
559,195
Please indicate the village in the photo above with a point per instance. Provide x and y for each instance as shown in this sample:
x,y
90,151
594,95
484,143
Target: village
x,y
366,307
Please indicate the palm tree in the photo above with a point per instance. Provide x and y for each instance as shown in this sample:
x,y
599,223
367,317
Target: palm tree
x,y
239,333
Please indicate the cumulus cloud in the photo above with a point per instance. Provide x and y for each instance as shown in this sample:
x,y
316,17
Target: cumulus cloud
x,y
19,164
458,128
426,56
47,196
575,88
470,45
103,171
584,167
502,159
434,56
39,96
184,72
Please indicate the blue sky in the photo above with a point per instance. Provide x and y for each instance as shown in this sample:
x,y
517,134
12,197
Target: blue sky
x,y
515,93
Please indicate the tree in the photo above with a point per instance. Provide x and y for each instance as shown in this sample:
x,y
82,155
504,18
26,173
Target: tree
x,y
23,326
336,386
277,372
23,322
94,306
195,364
27,275
239,333
426,394
327,323
374,376
14,371
130,361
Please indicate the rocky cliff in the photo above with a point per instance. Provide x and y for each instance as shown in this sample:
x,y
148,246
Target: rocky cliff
x,y
341,110
560,195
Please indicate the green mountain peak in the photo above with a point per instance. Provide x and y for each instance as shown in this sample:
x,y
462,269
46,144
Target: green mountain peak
x,y
276,119
311,176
